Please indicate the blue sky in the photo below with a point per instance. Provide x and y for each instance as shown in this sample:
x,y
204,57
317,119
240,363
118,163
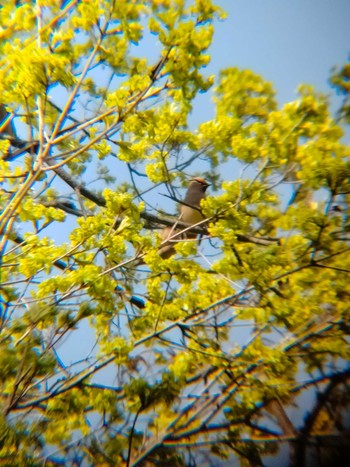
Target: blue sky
x,y
288,42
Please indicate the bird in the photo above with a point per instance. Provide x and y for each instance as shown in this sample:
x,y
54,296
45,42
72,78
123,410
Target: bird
x,y
190,213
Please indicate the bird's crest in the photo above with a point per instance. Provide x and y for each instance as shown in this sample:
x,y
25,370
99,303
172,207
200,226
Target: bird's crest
x,y
200,180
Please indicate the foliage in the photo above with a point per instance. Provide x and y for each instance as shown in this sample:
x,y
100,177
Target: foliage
x,y
109,354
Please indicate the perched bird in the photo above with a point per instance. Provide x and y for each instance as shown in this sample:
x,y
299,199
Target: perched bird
x,y
190,209
190,213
